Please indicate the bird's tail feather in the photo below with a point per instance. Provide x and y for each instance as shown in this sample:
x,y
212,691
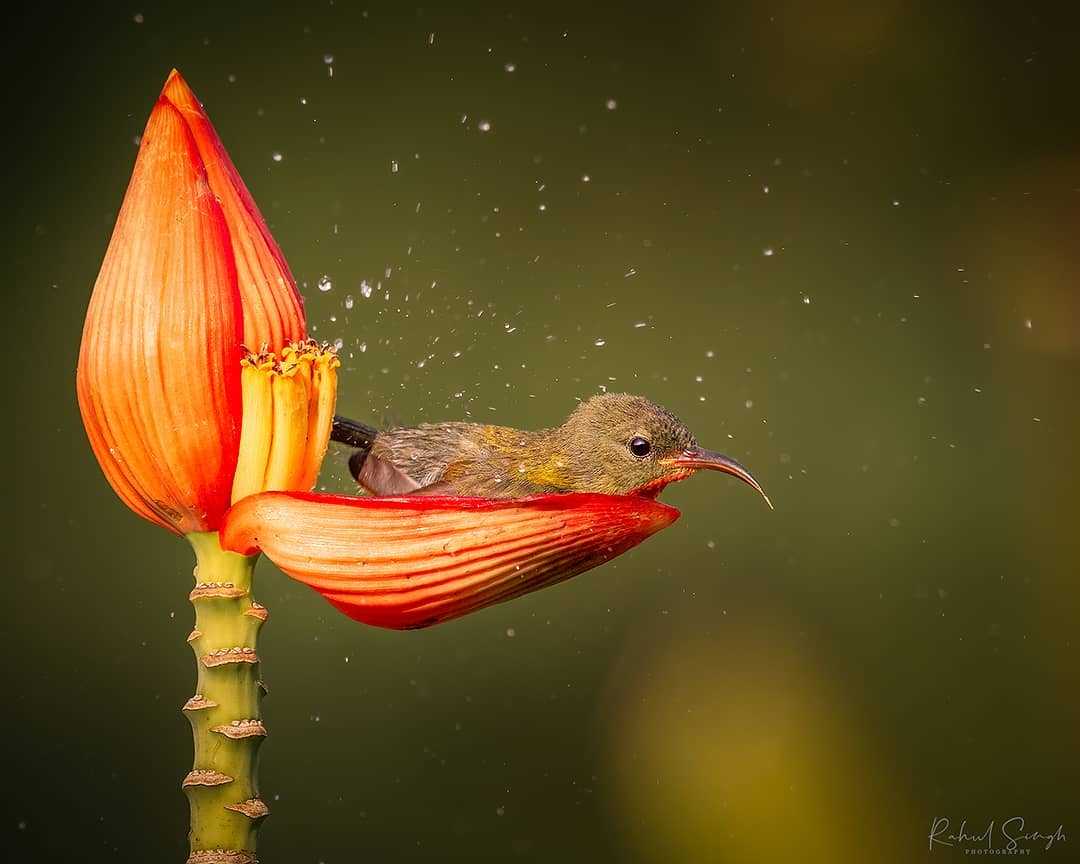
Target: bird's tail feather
x,y
353,433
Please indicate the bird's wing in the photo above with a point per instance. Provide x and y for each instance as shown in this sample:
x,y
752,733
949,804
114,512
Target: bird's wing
x,y
423,453
379,477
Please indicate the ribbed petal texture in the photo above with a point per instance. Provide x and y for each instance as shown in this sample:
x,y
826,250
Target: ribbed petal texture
x,y
273,309
159,374
415,561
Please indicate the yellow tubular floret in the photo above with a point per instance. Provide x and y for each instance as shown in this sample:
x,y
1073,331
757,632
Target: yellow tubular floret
x,y
290,430
255,428
320,417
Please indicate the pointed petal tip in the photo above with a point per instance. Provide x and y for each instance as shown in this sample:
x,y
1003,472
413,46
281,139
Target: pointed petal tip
x,y
157,384
177,91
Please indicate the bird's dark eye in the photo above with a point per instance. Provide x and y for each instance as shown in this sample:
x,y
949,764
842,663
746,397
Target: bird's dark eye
x,y
639,447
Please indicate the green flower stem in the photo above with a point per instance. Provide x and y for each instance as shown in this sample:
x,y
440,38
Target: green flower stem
x,y
222,788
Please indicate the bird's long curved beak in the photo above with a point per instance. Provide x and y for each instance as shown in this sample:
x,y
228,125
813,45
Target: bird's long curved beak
x,y
698,457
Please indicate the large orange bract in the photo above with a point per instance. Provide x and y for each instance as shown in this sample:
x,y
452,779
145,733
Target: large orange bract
x,y
191,273
415,561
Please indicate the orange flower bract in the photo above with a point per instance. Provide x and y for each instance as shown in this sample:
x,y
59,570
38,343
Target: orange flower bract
x,y
191,272
414,561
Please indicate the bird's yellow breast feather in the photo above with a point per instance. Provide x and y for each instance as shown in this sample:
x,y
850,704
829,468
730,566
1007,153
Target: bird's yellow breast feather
x,y
527,456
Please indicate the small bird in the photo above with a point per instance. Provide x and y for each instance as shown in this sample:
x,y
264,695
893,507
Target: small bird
x,y
613,443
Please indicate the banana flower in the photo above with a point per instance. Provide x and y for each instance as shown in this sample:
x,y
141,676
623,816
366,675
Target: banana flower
x,y
209,410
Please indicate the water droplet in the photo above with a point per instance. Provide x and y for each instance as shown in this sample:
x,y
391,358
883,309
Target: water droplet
x,y
768,251
327,59
806,299
339,343
349,302
585,178
510,67
611,104
484,125
324,284
600,343
393,166
365,288
138,18
511,632
277,156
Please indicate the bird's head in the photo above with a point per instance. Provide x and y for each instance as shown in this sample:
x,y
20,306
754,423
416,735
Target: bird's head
x,y
623,444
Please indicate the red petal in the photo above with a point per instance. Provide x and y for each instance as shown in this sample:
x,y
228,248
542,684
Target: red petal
x,y
158,379
273,308
414,561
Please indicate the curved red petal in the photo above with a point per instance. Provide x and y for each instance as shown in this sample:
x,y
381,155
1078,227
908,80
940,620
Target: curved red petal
x,y
273,308
158,379
415,561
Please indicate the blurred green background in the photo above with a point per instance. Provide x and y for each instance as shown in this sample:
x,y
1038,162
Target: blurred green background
x,y
840,240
